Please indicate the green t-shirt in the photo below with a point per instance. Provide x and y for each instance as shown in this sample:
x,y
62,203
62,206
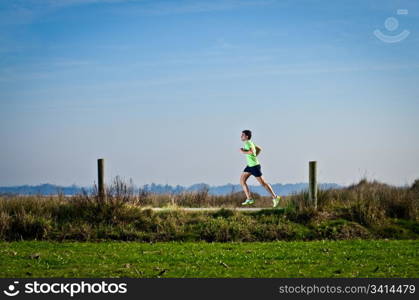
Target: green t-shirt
x,y
251,158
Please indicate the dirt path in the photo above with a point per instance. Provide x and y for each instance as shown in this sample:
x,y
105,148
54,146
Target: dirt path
x,y
208,208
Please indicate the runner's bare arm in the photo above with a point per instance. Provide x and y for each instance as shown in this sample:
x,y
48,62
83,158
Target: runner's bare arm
x,y
246,152
258,150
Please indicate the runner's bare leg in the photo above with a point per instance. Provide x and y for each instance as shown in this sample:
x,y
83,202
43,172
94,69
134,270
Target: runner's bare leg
x,y
266,185
243,179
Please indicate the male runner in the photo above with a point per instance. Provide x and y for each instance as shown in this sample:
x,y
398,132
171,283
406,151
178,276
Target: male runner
x,y
253,168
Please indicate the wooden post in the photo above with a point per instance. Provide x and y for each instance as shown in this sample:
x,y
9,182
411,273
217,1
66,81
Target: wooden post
x,y
101,176
312,185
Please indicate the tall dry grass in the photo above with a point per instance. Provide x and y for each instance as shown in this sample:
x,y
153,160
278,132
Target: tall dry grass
x,y
367,202
362,210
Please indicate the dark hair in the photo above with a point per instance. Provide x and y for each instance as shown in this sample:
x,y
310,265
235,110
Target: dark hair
x,y
248,133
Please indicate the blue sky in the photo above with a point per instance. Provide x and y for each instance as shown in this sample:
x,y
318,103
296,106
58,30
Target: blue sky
x,y
162,90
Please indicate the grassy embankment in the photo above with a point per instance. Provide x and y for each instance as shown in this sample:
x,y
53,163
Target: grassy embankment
x,y
367,210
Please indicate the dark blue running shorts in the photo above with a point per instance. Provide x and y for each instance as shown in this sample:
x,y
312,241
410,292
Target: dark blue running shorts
x,y
255,170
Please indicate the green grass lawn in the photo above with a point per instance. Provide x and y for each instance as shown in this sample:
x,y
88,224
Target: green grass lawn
x,y
348,258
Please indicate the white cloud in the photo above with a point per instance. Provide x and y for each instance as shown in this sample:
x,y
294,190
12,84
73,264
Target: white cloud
x,y
188,6
63,3
27,11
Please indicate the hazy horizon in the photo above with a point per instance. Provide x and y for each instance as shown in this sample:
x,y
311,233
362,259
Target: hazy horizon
x,y
163,184
163,89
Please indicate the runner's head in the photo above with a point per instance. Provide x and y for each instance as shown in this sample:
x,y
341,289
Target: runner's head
x,y
246,135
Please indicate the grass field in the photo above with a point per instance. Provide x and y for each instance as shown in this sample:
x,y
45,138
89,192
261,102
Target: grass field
x,y
348,258
366,230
